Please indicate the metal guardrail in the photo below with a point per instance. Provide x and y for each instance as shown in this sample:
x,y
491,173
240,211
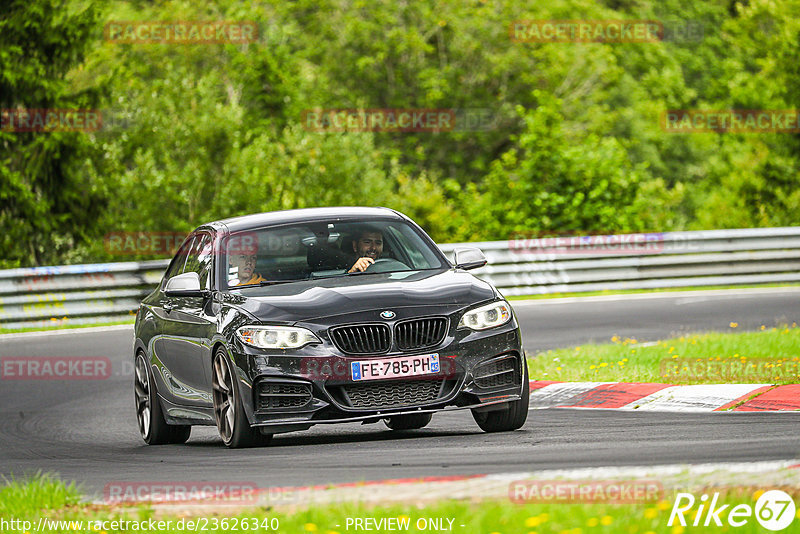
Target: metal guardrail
x,y
666,260
80,294
75,294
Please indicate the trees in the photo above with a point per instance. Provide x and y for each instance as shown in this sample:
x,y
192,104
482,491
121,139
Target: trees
x,y
575,143
551,183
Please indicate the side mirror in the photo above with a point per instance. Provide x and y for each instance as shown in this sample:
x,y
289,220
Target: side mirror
x,y
184,285
469,258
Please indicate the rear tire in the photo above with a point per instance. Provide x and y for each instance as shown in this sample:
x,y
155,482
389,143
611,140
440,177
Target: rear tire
x,y
152,425
232,423
408,421
511,418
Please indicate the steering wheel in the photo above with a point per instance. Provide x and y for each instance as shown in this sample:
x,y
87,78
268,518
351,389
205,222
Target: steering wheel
x,y
383,265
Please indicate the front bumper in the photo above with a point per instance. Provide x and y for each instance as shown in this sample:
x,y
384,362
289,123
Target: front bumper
x,y
294,391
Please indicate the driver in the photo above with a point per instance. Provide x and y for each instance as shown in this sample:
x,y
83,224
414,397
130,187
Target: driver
x,y
245,265
368,247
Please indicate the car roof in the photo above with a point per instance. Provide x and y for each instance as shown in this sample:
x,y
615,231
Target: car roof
x,y
256,220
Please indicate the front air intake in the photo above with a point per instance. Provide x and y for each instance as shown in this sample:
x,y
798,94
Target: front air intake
x,y
281,395
393,393
497,373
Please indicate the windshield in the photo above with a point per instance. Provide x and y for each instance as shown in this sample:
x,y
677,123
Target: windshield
x,y
325,249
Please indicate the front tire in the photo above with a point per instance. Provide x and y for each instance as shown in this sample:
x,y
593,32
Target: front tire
x,y
408,421
511,418
232,423
152,425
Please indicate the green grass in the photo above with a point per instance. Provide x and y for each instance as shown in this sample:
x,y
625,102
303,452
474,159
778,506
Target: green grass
x,y
766,356
33,494
43,496
63,326
641,291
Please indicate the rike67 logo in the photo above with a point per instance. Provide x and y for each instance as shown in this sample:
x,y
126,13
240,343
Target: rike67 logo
x,y
774,510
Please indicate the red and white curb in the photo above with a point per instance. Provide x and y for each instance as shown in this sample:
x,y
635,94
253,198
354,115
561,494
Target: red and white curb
x,y
665,397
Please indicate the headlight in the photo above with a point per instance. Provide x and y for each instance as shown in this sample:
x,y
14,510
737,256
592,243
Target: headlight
x,y
276,337
488,316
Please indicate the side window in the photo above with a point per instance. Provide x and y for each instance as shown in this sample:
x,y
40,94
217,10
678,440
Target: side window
x,y
176,267
199,259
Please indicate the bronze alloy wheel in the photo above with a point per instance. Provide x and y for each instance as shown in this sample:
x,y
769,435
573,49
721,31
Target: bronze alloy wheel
x,y
224,398
142,390
232,423
152,425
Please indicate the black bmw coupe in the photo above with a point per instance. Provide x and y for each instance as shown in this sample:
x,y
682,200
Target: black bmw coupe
x,y
276,322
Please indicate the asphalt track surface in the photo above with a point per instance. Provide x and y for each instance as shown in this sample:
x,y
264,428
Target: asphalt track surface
x,y
86,430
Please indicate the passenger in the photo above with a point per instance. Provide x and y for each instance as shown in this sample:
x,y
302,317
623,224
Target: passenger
x,y
245,265
368,247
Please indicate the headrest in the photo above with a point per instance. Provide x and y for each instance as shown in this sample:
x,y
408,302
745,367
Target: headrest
x,y
324,258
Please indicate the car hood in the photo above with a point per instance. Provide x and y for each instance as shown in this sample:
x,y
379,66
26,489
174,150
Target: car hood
x,y
329,297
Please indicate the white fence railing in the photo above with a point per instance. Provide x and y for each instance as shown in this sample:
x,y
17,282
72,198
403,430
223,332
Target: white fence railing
x,y
523,266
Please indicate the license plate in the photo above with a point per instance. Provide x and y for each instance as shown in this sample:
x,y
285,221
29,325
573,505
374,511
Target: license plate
x,y
395,367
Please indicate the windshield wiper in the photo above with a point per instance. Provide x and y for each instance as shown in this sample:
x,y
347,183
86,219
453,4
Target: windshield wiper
x,y
268,283
365,272
324,276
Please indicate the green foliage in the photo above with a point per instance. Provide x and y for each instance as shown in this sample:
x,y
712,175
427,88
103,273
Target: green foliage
x,y
47,205
35,493
552,182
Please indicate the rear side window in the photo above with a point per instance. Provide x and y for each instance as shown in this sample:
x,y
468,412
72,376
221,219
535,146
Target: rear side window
x,y
179,261
199,259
